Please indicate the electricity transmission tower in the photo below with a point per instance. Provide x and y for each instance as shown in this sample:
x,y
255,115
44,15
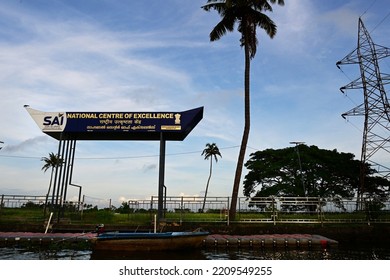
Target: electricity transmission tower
x,y
375,108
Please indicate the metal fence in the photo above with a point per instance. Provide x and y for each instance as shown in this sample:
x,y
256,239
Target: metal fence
x,y
22,201
314,210
260,209
18,201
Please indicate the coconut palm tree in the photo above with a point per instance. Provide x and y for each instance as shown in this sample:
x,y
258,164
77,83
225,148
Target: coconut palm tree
x,y
248,15
53,161
211,151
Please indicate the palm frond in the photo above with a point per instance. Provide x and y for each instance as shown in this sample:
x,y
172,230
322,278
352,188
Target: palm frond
x,y
226,24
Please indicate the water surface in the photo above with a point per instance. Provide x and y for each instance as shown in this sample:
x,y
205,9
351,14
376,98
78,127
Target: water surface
x,y
368,253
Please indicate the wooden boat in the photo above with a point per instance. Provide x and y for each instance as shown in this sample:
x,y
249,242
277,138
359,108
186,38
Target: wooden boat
x,y
143,241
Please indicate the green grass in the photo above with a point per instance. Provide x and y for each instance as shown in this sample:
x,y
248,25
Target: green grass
x,y
93,216
20,215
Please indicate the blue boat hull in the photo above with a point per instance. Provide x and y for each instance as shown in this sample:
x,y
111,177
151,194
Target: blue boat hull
x,y
138,241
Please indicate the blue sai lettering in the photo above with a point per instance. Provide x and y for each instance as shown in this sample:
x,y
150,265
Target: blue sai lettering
x,y
50,120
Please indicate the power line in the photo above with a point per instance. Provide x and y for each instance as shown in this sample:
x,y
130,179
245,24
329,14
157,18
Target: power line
x,y
388,14
24,157
372,4
123,157
352,124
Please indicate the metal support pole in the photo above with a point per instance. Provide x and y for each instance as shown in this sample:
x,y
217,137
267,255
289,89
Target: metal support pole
x,y
160,210
228,211
54,187
73,151
65,177
60,186
68,166
165,201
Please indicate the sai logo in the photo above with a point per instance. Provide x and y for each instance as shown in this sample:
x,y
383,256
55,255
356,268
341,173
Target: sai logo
x,y
54,120
48,121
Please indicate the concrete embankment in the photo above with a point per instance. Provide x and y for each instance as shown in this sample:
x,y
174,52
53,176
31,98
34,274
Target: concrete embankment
x,y
236,234
258,241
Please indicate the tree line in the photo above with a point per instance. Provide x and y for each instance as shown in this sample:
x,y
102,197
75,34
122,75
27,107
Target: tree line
x,y
310,171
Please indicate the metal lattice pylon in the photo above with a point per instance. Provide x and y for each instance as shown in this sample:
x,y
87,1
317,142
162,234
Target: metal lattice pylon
x,y
375,108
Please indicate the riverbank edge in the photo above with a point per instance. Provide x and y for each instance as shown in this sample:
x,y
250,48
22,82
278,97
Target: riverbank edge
x,y
345,234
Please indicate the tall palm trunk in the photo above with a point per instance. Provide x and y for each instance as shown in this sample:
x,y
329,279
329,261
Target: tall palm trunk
x,y
245,136
48,192
207,185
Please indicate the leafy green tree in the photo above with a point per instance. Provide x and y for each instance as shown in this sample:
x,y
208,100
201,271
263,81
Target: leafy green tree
x,y
326,174
51,162
211,151
376,193
248,15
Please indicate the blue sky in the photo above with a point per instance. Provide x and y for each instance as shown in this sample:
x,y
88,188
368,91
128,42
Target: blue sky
x,y
150,55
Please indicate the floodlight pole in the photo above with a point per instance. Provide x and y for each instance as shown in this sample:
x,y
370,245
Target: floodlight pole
x,y
161,186
296,143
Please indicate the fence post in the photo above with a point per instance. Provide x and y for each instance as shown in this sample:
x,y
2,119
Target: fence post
x,y
228,211
320,210
273,210
82,207
48,222
181,209
151,207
